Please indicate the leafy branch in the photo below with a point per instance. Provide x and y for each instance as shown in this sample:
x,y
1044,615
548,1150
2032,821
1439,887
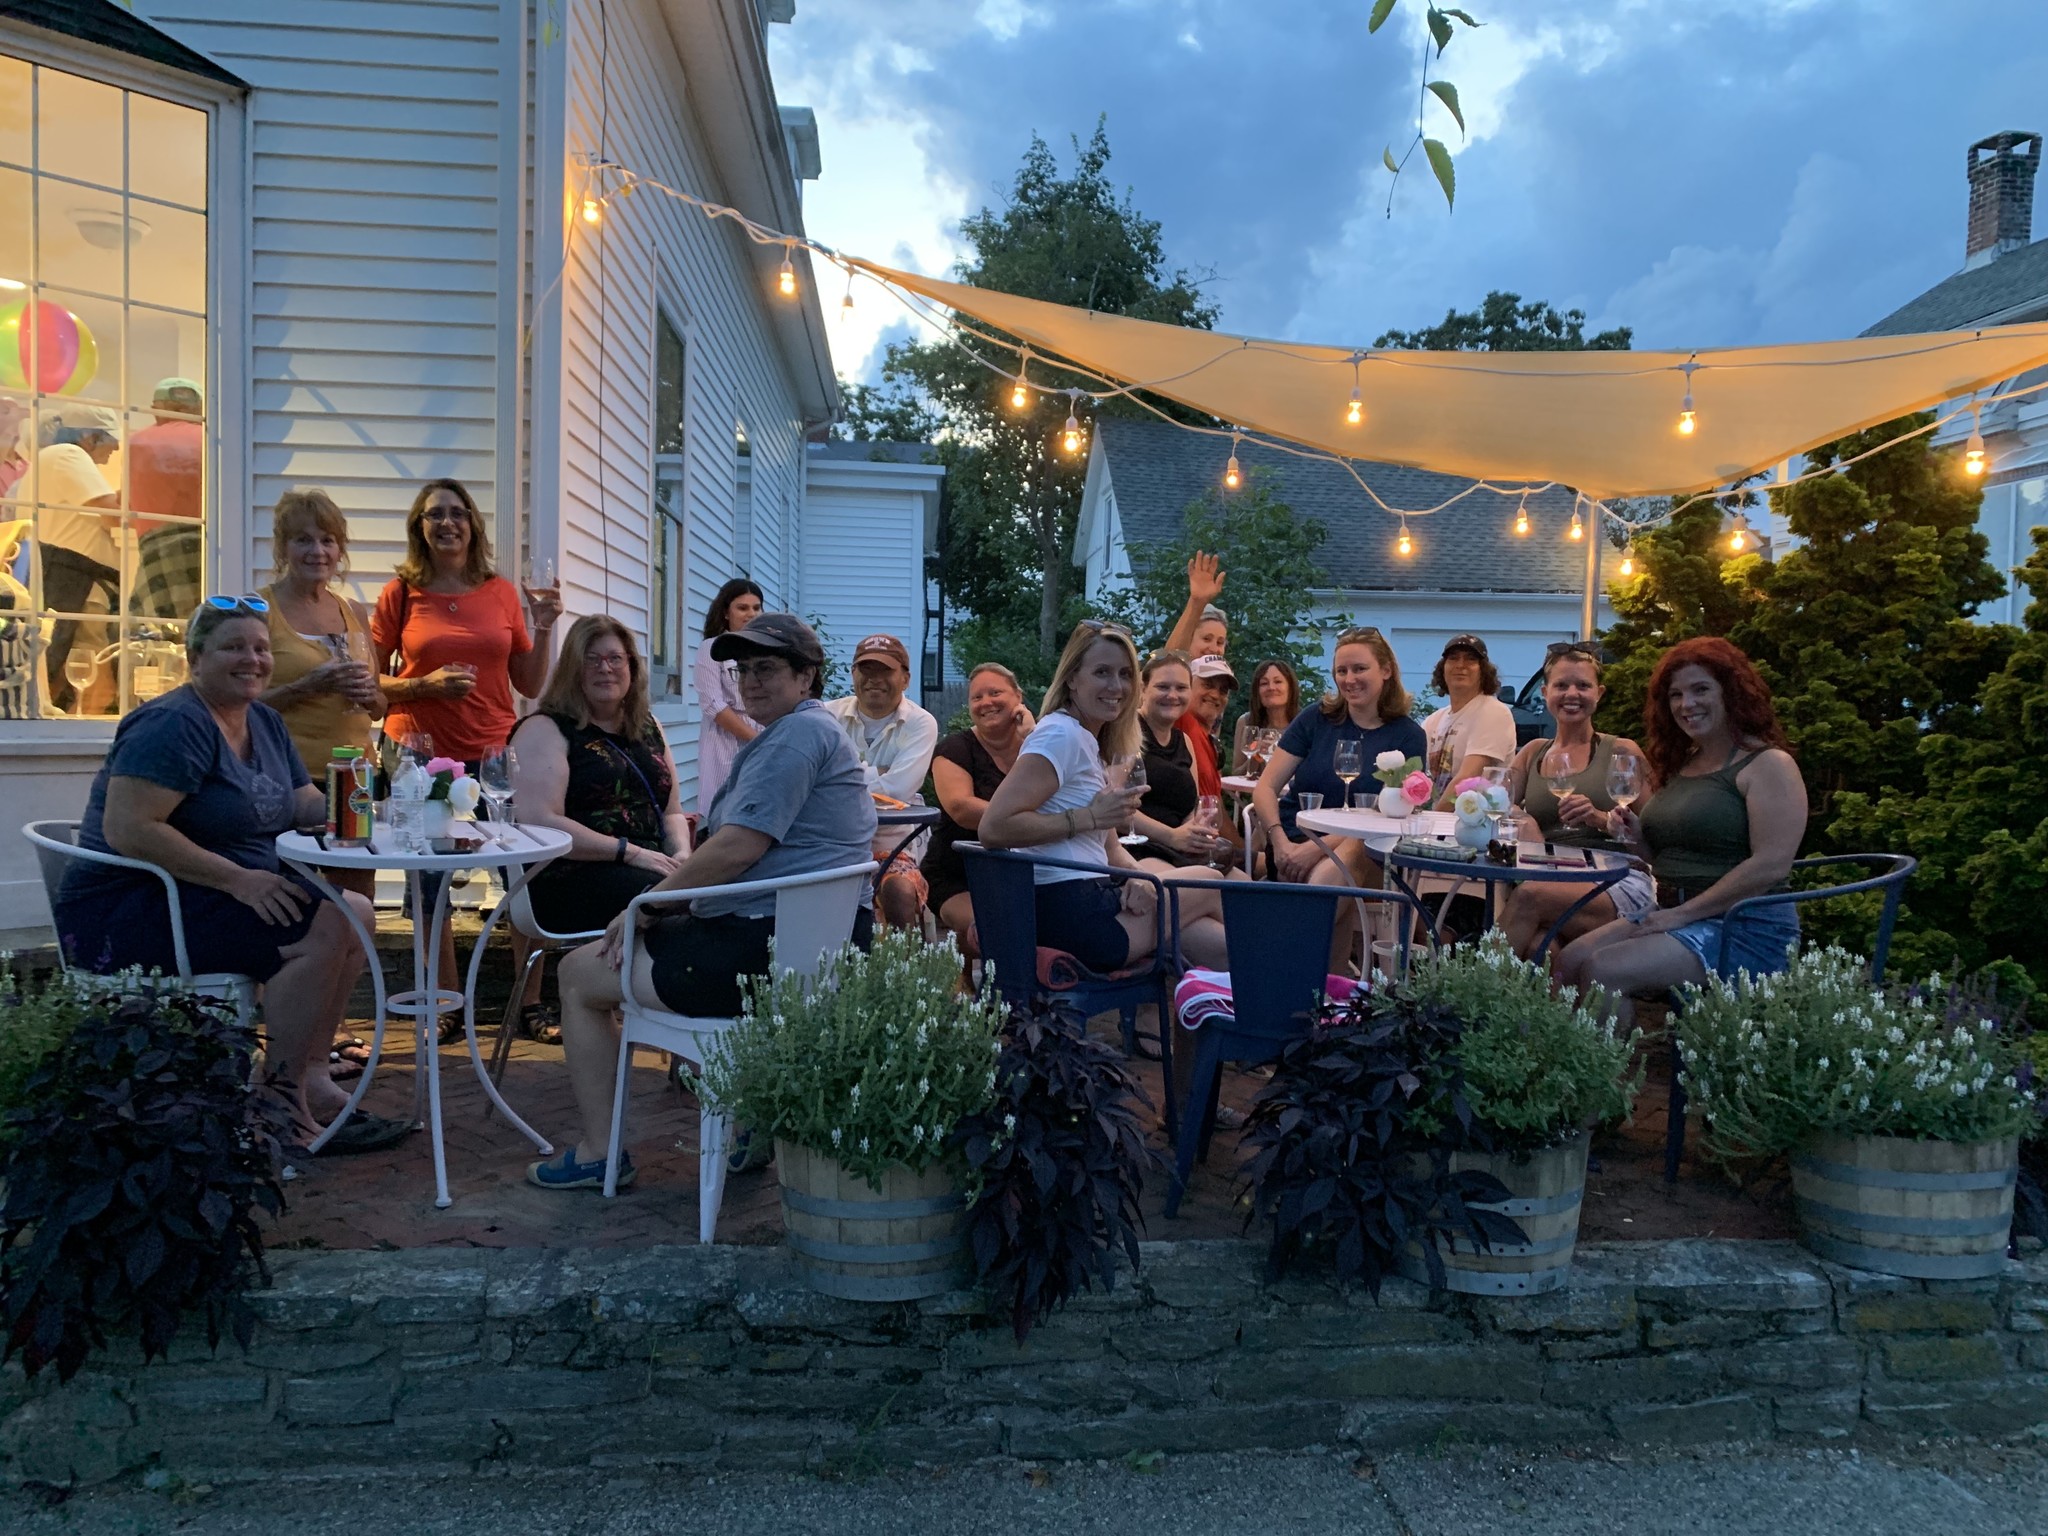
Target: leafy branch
x,y
1434,150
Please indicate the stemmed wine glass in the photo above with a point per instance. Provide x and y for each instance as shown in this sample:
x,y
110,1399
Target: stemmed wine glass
x,y
1348,763
494,779
1558,772
1624,779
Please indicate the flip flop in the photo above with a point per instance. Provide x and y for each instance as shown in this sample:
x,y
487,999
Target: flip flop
x,y
366,1133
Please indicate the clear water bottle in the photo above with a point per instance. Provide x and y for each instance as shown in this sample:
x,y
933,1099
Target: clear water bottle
x,y
408,804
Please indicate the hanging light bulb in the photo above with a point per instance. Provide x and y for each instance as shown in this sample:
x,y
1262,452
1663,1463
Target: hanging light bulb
x,y
1020,396
1688,419
1070,435
1354,413
846,304
1404,546
1738,536
786,278
1233,477
593,210
1577,531
1973,451
1522,517
1628,559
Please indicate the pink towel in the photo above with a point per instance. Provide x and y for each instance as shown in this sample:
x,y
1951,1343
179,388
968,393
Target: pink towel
x,y
1205,995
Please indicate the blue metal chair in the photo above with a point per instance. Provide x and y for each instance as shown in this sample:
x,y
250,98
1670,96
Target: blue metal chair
x,y
1894,869
1279,937
1006,925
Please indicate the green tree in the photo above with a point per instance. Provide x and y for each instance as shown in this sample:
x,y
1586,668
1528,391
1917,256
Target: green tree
x,y
1978,818
1503,323
1014,494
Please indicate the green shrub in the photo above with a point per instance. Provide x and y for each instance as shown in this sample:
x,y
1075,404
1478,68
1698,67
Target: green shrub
x,y
1772,1061
1538,1065
875,1061
38,1016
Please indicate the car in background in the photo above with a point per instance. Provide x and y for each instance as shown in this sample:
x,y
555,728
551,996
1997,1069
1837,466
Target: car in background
x,y
1532,715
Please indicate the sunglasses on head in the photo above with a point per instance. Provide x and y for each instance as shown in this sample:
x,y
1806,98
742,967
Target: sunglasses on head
x,y
248,602
1558,648
1103,627
1363,632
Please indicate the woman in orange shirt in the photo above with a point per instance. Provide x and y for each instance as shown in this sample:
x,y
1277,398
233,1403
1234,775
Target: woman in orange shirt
x,y
458,633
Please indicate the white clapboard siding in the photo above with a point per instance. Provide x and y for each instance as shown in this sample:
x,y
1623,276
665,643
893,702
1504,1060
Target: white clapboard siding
x,y
862,564
630,92
375,205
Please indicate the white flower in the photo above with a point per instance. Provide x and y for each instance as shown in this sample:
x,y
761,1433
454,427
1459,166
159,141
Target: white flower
x,y
463,795
1823,1063
836,1135
863,1143
1010,1122
1470,806
1387,762
917,1134
924,1087
853,1096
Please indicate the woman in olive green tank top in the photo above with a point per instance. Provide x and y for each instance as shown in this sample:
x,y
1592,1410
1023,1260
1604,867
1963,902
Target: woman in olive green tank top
x,y
1722,825
1583,818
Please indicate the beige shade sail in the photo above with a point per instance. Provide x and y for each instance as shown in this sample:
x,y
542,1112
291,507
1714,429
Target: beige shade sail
x,y
1602,422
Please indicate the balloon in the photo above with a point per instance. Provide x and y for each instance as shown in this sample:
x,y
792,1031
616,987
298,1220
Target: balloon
x,y
65,352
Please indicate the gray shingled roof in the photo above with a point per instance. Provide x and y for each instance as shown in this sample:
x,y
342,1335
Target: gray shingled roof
x,y
115,26
2014,287
1156,470
870,451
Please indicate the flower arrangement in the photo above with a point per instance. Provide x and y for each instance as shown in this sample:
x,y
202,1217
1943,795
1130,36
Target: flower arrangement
x,y
874,1062
1394,769
448,779
1539,1064
1417,789
1477,801
1772,1061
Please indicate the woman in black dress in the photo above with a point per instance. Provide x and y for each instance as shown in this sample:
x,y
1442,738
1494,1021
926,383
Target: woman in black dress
x,y
1166,816
966,768
592,762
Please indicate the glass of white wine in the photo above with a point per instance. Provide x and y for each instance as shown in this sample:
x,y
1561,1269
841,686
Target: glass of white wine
x,y
1348,763
1624,779
1558,772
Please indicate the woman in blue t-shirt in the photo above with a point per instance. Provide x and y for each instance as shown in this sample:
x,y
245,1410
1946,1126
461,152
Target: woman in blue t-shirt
x,y
1370,707
199,783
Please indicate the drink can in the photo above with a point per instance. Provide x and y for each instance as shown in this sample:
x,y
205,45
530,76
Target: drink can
x,y
348,797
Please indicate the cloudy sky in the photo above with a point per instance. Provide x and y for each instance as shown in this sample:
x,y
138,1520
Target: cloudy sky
x,y
1710,172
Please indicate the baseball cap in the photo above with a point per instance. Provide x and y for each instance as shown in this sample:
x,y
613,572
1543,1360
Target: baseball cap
x,y
79,417
780,632
1212,666
167,388
1211,612
882,645
1470,643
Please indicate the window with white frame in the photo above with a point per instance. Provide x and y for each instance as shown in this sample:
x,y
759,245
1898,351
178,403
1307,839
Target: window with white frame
x,y
666,643
103,390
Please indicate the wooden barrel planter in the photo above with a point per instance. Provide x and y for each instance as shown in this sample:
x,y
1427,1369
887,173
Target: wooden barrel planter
x,y
1545,1195
1929,1210
899,1243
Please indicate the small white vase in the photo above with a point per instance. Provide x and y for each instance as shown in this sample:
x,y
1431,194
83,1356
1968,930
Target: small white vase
x,y
436,818
1393,802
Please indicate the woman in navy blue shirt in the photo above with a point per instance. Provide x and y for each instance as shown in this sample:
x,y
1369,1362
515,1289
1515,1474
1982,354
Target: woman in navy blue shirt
x,y
199,783
1370,707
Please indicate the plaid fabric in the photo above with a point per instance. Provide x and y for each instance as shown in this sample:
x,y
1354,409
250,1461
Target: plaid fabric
x,y
167,575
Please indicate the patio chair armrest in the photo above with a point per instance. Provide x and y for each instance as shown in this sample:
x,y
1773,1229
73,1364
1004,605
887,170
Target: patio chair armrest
x,y
71,850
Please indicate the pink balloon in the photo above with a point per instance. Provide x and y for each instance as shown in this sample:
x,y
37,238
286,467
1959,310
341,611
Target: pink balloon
x,y
57,357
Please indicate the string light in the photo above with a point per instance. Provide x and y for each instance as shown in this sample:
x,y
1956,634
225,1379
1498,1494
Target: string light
x,y
1973,451
1738,536
1020,396
1232,476
1070,435
593,210
1522,517
1354,413
1628,558
846,304
1404,546
786,278
1688,420
1577,530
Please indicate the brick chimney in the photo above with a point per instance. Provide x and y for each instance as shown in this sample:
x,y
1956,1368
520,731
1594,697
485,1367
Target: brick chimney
x,y
2002,171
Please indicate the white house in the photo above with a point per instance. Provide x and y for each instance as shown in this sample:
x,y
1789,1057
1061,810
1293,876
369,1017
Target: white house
x,y
2003,281
360,228
1467,569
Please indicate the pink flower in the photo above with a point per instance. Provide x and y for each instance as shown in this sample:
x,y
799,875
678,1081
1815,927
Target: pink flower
x,y
1416,789
1476,785
452,766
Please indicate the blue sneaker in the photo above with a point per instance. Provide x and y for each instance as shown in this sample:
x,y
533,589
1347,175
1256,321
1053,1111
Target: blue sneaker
x,y
566,1173
747,1153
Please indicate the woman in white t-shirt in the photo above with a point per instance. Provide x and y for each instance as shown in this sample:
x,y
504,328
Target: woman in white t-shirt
x,y
1057,802
723,723
1475,730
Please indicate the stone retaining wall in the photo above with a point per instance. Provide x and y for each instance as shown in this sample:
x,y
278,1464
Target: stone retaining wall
x,y
719,1357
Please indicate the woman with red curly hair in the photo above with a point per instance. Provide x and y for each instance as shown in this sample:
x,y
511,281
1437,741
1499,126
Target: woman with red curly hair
x,y
1724,824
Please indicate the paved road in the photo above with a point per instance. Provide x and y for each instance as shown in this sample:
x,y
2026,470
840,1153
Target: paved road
x,y
1969,1492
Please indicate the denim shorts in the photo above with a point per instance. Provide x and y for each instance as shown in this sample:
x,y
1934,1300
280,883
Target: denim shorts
x,y
1757,941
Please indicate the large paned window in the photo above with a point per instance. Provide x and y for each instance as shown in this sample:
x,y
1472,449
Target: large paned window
x,y
667,644
103,390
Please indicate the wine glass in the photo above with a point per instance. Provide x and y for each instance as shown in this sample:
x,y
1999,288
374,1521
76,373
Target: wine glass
x,y
1624,779
1348,763
1129,772
1558,772
494,778
79,671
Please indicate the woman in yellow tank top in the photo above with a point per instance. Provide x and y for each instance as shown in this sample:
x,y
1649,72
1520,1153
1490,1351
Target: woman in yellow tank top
x,y
322,681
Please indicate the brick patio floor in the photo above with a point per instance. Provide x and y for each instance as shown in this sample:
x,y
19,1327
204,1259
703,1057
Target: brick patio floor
x,y
386,1199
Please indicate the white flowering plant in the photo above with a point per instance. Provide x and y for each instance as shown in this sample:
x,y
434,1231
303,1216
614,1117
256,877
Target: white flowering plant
x,y
1771,1061
1393,768
873,1062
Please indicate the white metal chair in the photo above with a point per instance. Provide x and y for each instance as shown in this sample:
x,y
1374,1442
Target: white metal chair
x,y
813,918
56,845
545,942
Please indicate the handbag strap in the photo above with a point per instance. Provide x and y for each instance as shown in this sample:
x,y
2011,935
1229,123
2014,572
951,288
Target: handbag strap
x,y
626,757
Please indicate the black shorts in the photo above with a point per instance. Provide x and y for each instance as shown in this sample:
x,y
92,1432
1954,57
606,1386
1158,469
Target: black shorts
x,y
582,896
131,926
1080,917
699,961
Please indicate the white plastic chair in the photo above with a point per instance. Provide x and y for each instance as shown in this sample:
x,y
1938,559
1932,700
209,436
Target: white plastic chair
x,y
813,918
545,942
56,845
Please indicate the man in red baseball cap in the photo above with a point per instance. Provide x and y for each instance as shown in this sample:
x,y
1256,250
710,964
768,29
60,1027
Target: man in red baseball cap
x,y
894,739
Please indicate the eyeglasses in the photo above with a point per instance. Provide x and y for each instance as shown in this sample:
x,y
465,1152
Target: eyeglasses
x,y
445,515
763,667
608,661
248,601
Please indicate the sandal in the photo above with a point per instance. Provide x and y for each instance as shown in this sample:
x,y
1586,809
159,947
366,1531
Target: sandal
x,y
366,1133
452,1029
566,1173
541,1023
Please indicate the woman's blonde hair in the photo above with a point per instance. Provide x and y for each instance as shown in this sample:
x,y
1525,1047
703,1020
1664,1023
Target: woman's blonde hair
x,y
417,569
1119,738
308,506
1393,701
564,693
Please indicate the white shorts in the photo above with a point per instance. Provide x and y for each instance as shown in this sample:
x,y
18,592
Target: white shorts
x,y
1634,893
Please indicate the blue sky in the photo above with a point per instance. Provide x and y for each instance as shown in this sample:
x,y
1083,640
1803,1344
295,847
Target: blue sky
x,y
1710,172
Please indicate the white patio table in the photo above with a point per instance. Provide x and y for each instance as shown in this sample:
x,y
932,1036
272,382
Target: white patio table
x,y
524,848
